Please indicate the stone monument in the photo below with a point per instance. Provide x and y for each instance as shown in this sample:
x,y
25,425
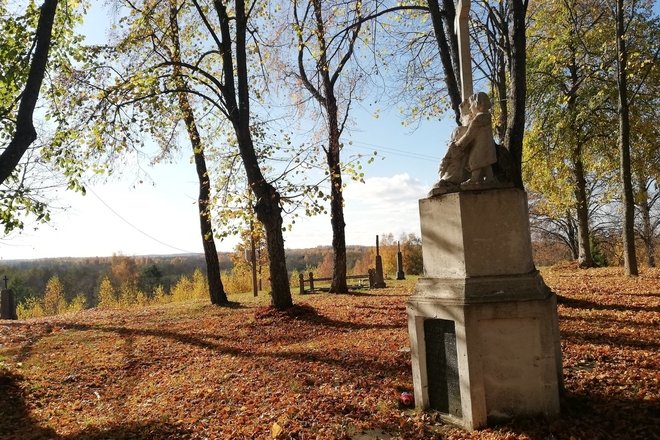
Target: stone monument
x,y
483,325
400,274
7,302
379,279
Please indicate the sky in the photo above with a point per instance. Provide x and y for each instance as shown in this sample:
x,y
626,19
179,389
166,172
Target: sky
x,y
160,215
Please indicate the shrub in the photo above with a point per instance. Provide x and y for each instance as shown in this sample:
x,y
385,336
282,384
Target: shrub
x,y
106,297
77,304
53,301
182,290
160,296
238,280
30,308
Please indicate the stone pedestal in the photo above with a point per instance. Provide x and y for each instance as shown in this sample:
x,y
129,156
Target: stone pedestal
x,y
7,304
400,274
483,325
379,282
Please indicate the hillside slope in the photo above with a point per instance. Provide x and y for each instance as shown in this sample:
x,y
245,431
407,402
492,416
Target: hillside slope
x,y
333,368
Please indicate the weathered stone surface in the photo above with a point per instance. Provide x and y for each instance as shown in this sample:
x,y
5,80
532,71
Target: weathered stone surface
x,y
481,285
7,304
508,357
476,233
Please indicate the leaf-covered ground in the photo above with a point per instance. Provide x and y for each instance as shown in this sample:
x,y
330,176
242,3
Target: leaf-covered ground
x,y
331,369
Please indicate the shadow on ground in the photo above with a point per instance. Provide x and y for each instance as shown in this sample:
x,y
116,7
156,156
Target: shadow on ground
x,y
16,422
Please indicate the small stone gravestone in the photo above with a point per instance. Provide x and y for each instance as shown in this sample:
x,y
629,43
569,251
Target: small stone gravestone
x,y
7,302
379,281
400,275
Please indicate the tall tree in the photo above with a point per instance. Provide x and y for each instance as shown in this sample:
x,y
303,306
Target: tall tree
x,y
151,37
629,256
517,90
568,130
216,289
32,41
639,46
25,133
629,19
216,72
442,19
322,57
236,101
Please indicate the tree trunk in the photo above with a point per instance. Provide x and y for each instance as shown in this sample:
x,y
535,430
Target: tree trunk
x,y
647,235
629,256
585,258
237,100
572,239
216,289
328,102
339,284
443,28
25,132
517,95
500,85
269,214
253,260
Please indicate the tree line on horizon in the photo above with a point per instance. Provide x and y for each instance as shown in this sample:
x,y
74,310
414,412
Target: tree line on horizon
x,y
574,86
59,285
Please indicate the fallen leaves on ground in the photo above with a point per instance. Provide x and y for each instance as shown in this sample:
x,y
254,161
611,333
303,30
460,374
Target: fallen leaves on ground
x,y
334,367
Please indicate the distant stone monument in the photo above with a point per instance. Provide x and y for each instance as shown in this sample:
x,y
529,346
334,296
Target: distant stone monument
x,y
400,274
7,302
483,325
379,281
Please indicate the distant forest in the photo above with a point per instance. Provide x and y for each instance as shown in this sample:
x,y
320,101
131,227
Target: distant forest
x,y
28,278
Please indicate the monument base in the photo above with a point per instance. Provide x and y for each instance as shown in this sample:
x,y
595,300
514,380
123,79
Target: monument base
x,y
7,304
483,325
481,361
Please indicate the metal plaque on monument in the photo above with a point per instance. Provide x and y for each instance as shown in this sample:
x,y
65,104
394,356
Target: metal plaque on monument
x,y
483,325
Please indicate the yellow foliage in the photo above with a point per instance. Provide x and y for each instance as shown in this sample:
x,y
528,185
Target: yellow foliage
x,y
183,290
31,308
106,297
53,302
127,295
78,304
294,279
200,286
238,280
160,296
141,299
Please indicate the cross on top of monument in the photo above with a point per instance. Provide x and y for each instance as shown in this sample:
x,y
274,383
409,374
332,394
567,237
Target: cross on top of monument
x,y
5,279
462,29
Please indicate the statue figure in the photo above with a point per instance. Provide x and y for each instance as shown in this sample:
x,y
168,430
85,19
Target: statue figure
x,y
472,149
478,139
452,167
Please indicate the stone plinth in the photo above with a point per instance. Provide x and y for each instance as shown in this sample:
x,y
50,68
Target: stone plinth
x,y
7,304
400,274
379,281
483,325
476,233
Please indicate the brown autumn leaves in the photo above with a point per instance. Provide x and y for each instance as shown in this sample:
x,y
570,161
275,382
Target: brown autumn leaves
x,y
332,368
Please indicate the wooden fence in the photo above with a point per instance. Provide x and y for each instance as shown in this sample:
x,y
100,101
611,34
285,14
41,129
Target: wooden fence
x,y
311,280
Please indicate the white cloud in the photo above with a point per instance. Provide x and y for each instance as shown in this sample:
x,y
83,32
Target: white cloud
x,y
380,205
376,191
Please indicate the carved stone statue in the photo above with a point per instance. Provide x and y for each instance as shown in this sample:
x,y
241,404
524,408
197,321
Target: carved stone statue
x,y
452,167
478,141
472,150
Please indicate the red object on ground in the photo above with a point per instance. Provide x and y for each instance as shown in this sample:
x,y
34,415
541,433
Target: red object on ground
x,y
406,399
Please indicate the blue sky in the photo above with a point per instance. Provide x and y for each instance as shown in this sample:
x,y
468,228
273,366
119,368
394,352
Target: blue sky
x,y
160,216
